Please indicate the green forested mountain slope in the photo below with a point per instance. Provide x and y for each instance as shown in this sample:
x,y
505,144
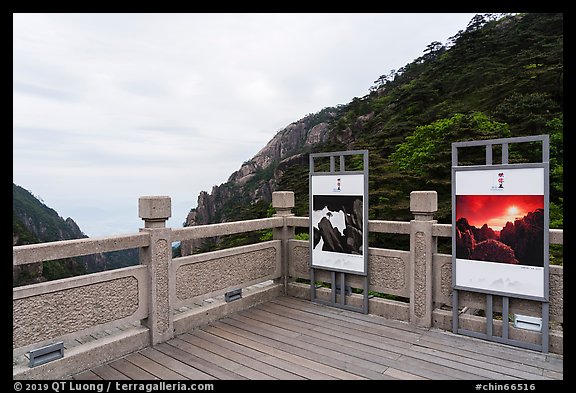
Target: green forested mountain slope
x,y
500,77
498,80
34,222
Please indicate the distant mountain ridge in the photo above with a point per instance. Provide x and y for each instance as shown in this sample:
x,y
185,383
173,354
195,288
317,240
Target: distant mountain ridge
x,y
34,222
501,77
37,223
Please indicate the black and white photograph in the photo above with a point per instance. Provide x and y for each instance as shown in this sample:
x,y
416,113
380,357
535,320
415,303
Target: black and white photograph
x,y
337,222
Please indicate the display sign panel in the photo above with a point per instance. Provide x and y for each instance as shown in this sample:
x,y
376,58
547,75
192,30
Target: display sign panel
x,y
499,219
338,224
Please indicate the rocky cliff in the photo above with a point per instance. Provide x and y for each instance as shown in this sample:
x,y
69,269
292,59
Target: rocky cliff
x,y
257,178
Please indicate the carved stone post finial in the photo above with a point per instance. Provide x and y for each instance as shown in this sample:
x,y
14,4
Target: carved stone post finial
x,y
154,210
283,202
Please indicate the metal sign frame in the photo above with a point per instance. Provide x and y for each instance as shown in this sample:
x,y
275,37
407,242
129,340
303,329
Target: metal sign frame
x,y
338,187
523,180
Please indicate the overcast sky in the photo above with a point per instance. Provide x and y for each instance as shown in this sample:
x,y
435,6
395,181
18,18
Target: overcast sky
x,y
111,107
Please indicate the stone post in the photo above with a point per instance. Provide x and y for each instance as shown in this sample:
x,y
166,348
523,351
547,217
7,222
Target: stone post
x,y
423,204
283,202
155,210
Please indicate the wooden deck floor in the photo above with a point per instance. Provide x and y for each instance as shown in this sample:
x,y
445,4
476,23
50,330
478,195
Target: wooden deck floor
x,y
290,339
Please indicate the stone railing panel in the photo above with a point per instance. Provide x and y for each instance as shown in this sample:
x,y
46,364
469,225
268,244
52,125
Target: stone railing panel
x,y
556,291
299,254
442,278
213,273
78,305
442,272
389,271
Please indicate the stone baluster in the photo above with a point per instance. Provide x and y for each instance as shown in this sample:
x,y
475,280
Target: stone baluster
x,y
283,203
423,204
155,211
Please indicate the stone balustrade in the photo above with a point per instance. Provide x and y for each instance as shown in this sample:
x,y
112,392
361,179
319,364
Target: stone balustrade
x,y
151,296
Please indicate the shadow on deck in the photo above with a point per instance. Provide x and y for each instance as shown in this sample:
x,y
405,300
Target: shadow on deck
x,y
293,339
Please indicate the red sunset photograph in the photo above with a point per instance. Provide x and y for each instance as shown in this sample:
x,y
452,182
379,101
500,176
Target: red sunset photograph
x,y
500,228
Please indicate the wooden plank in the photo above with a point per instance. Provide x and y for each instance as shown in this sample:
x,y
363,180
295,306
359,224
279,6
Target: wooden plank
x,y
483,369
280,330
497,350
296,371
489,362
303,305
328,365
325,355
417,366
373,354
153,367
553,375
340,314
391,348
289,338
517,358
312,370
375,345
485,347
216,359
334,359
87,376
455,363
131,371
197,339
108,373
554,363
171,348
175,365
403,375
425,370
503,370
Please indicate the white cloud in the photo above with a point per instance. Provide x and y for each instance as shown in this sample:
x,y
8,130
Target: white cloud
x,y
109,107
